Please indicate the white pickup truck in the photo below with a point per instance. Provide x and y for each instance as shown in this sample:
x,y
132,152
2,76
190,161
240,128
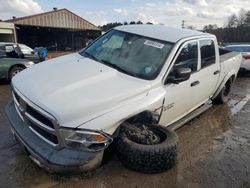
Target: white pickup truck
x,y
67,111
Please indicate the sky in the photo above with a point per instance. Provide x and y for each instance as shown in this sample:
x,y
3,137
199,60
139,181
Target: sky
x,y
169,12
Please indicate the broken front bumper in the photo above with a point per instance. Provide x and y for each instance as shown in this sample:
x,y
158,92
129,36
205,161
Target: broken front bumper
x,y
47,156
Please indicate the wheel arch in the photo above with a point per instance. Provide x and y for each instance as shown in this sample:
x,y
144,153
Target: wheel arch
x,y
230,76
145,117
11,67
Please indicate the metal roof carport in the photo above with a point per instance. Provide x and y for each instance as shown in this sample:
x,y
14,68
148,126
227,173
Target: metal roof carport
x,y
7,32
56,30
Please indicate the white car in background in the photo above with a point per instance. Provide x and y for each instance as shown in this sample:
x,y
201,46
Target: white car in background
x,y
245,51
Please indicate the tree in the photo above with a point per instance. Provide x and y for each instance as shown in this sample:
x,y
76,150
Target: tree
x,y
236,29
210,27
242,17
109,26
232,21
247,20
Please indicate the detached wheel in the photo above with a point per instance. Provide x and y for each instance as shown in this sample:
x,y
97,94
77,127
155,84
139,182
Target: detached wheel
x,y
223,96
148,148
14,71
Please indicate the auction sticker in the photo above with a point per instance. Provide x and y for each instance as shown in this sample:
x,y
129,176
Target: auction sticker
x,y
154,44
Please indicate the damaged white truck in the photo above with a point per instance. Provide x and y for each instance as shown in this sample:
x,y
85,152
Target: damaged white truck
x,y
127,86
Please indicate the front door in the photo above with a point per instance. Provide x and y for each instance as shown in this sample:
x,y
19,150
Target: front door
x,y
179,98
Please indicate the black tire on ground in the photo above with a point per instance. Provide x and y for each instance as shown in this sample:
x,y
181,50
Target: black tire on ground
x,y
14,71
150,159
223,96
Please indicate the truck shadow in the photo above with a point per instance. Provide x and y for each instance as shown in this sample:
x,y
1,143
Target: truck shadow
x,y
244,74
3,82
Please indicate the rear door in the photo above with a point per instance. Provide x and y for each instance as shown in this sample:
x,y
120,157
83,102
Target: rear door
x,y
208,71
2,61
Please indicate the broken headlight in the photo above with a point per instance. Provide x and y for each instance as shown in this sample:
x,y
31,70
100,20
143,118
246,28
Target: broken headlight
x,y
86,139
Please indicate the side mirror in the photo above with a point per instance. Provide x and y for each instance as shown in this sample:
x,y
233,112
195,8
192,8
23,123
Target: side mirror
x,y
180,75
89,42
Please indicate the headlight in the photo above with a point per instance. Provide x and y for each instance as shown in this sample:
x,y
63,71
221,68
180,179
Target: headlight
x,y
85,139
29,63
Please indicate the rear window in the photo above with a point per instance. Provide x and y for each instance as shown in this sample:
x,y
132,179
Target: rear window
x,y
25,49
207,48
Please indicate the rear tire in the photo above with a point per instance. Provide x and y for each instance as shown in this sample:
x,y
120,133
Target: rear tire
x,y
223,96
14,71
154,158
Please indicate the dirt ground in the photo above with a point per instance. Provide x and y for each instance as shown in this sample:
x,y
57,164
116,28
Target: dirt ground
x,y
213,151
54,54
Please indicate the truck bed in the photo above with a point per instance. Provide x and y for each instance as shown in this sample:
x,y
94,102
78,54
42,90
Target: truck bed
x,y
225,55
229,61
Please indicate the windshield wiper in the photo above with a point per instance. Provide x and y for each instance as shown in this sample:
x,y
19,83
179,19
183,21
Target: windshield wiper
x,y
91,56
118,68
105,62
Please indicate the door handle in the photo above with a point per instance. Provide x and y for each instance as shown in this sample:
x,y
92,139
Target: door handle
x,y
194,83
216,72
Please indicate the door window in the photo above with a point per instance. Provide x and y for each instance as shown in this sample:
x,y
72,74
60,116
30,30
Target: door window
x,y
26,50
188,57
207,48
11,52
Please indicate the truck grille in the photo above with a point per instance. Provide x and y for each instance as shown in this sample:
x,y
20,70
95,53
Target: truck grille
x,y
39,117
39,121
52,138
16,96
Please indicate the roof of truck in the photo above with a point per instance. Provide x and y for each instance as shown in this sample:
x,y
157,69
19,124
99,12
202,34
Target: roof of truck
x,y
161,32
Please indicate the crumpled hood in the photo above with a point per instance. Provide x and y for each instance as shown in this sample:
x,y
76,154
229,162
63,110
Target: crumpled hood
x,y
76,90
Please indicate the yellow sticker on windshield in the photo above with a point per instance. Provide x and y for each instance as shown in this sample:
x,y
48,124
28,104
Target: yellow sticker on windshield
x,y
154,44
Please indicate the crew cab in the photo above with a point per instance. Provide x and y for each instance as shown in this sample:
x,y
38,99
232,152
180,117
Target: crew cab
x,y
67,112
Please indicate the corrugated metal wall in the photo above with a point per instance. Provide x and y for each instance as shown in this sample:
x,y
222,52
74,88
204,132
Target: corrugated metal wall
x,y
58,19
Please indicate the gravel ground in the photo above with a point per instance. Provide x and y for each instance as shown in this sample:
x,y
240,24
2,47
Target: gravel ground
x,y
213,151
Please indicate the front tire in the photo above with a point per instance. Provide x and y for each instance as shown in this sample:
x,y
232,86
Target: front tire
x,y
14,71
223,96
148,158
